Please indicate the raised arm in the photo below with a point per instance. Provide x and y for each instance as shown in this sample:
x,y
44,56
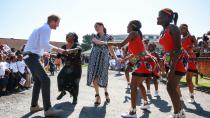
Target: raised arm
x,y
77,49
45,41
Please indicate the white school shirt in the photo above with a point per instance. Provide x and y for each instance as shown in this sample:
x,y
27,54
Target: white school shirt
x,y
39,41
7,65
13,66
3,68
21,66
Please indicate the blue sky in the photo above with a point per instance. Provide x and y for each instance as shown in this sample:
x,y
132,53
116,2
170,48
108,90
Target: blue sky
x,y
20,17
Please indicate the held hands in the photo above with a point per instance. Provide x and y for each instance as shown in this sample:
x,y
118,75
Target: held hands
x,y
69,51
110,44
99,42
59,50
113,44
120,60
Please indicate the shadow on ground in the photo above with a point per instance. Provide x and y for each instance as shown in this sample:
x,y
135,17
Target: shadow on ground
x,y
93,112
198,110
145,114
203,89
66,106
159,103
128,97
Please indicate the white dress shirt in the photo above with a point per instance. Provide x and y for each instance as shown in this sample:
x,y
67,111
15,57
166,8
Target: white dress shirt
x,y
39,41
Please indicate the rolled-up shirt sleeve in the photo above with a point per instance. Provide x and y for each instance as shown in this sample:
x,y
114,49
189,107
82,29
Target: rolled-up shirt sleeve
x,y
45,39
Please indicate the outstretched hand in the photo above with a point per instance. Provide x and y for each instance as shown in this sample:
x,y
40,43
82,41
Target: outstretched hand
x,y
70,51
113,44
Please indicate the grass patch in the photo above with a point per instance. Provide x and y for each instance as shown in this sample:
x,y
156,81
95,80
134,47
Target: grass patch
x,y
202,82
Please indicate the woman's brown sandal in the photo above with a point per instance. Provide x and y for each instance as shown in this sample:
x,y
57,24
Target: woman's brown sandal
x,y
98,100
107,97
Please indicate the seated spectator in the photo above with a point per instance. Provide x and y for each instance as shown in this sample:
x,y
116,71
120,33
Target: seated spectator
x,y
15,76
119,66
3,77
18,52
112,63
23,71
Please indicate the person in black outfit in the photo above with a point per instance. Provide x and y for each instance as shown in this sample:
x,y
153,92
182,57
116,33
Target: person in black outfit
x,y
69,76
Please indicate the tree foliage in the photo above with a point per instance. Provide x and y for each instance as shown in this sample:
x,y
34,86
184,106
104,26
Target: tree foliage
x,y
86,42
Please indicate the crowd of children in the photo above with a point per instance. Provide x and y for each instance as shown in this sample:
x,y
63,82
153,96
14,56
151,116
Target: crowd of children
x,y
14,74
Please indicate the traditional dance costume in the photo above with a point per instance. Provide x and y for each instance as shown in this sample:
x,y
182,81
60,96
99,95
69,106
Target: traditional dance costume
x,y
186,44
141,67
167,42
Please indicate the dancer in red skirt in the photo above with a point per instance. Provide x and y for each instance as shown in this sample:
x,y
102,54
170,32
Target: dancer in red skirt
x,y
188,43
155,69
170,39
138,57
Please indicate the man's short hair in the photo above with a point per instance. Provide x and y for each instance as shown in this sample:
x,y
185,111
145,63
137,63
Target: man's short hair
x,y
53,18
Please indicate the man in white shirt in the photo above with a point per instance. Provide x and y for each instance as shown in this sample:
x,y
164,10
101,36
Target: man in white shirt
x,y
36,45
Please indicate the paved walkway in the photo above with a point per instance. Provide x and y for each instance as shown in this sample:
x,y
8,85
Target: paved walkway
x,y
17,105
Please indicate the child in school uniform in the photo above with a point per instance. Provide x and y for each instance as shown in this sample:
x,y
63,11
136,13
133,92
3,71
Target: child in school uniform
x,y
3,77
23,71
15,76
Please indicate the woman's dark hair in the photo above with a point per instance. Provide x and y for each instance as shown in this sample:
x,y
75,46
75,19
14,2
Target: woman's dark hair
x,y
136,26
173,16
101,24
184,25
75,36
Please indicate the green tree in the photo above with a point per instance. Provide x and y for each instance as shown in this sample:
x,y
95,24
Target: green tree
x,y
86,42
